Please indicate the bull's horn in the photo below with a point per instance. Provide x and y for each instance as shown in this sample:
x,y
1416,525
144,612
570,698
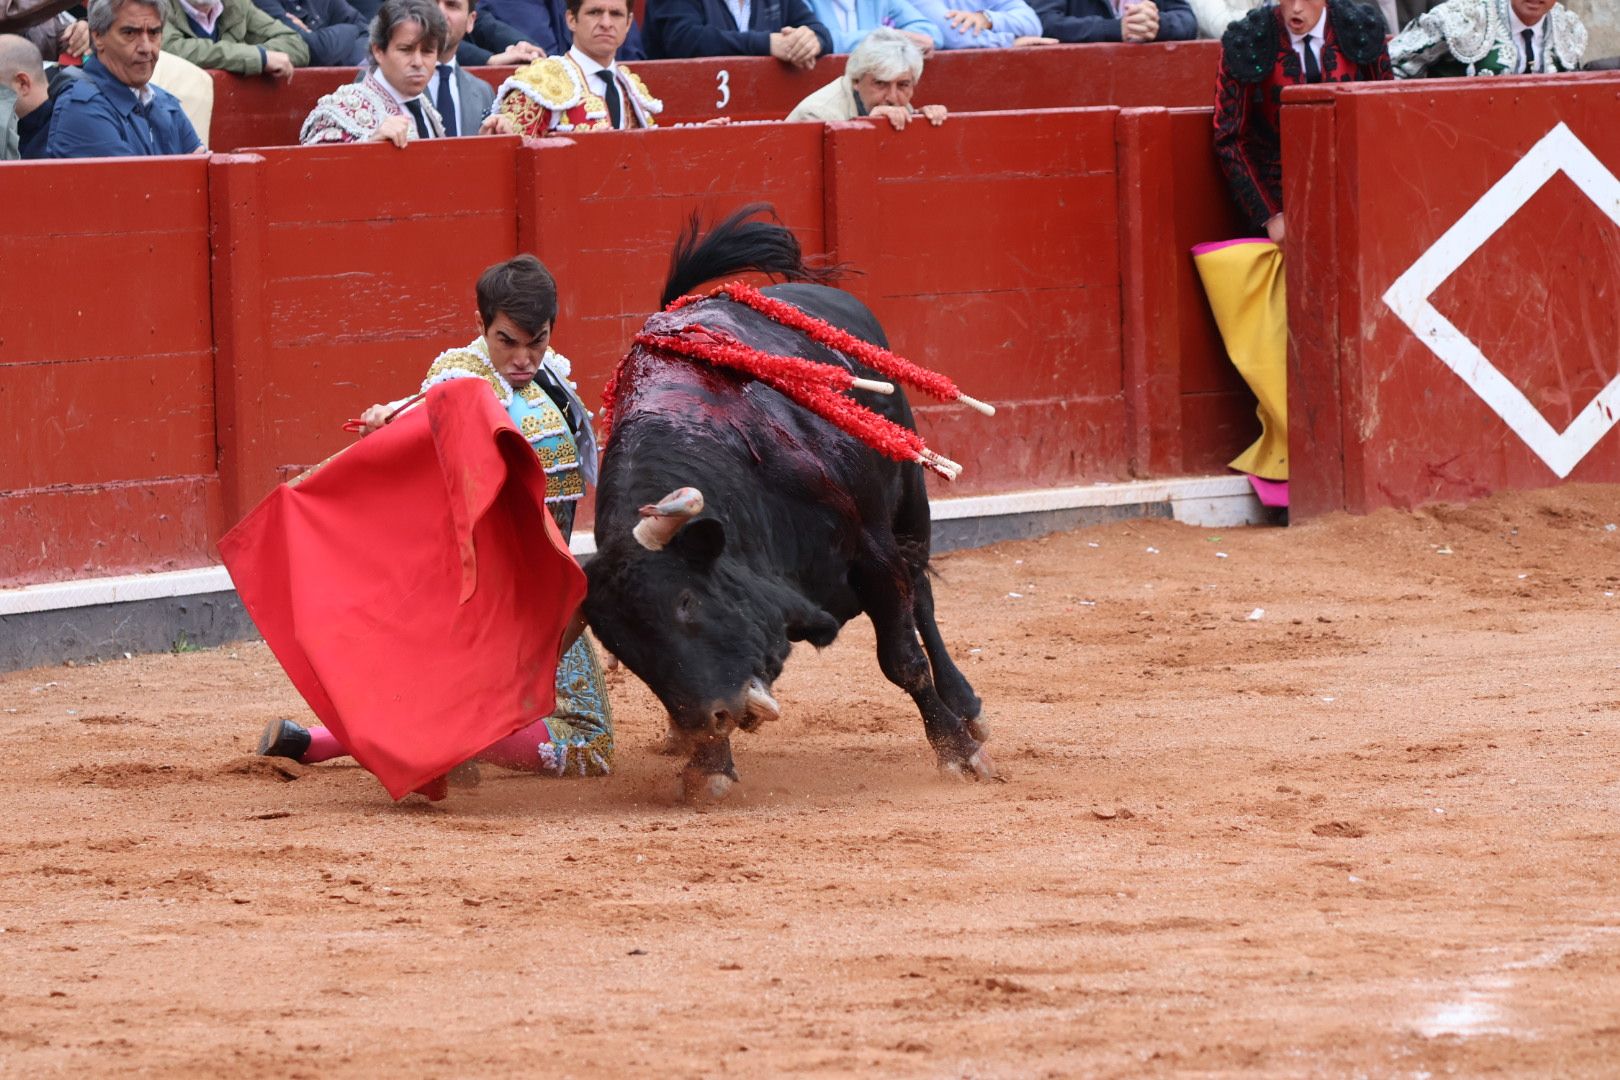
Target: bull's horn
x,y
760,703
659,523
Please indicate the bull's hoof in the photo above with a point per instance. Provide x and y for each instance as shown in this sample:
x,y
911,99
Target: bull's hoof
x,y
698,786
977,766
979,728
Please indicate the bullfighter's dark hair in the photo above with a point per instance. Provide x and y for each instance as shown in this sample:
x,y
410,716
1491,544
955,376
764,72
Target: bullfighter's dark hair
x,y
575,5
733,246
396,13
522,288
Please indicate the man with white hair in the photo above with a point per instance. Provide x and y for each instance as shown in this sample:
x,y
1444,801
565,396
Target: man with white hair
x,y
115,111
879,80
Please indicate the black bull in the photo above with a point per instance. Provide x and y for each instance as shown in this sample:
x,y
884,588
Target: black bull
x,y
798,529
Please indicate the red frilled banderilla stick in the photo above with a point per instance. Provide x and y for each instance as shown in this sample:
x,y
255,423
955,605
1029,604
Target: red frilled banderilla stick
x,y
816,386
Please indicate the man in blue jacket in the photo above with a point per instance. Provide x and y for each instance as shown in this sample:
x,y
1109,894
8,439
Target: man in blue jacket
x,y
1117,20
113,111
785,29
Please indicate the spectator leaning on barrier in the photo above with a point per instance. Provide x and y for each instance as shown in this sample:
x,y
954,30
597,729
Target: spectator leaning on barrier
x,y
1286,44
334,32
114,111
67,38
234,36
1117,20
879,80
788,30
586,89
25,100
851,20
388,104
1489,37
984,24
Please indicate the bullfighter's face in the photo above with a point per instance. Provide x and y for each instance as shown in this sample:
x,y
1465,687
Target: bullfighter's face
x,y
515,352
599,28
129,49
410,59
1301,16
1531,12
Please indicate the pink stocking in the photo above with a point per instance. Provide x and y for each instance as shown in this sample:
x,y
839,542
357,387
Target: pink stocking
x,y
518,751
323,746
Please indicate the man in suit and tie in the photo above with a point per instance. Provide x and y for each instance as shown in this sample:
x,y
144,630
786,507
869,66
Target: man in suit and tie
x,y
462,99
785,29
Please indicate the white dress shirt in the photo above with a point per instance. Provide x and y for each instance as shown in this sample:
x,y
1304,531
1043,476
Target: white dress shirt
x,y
1536,41
1315,34
740,10
382,80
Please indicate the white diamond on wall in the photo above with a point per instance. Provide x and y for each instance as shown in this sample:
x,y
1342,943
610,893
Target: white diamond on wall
x,y
1558,151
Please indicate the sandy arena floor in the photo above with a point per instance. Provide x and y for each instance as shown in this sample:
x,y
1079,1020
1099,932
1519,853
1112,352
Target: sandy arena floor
x,y
1371,829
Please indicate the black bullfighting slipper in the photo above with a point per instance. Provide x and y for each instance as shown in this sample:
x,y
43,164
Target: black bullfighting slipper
x,y
283,738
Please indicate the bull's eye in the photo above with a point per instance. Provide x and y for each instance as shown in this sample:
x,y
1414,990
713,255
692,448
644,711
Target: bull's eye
x,y
686,608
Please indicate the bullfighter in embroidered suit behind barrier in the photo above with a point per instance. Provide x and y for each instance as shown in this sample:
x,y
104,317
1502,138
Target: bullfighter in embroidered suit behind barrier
x,y
517,303
1287,44
1489,37
408,38
1276,46
585,89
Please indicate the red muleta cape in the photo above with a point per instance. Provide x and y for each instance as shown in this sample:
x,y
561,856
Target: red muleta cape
x,y
414,588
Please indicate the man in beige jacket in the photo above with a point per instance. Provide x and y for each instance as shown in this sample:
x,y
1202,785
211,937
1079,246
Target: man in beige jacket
x,y
878,82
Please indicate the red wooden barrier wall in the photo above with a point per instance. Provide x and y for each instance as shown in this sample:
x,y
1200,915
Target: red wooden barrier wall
x,y
262,112
586,208
990,253
106,370
1473,223
342,271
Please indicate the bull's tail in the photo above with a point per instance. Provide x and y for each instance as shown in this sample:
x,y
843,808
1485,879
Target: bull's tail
x,y
733,246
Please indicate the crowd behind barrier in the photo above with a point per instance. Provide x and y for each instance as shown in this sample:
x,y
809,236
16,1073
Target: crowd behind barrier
x,y
256,112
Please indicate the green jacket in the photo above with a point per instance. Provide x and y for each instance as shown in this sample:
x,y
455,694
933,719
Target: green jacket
x,y
243,31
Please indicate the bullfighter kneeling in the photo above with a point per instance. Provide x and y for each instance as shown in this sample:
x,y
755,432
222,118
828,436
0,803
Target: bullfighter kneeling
x,y
517,308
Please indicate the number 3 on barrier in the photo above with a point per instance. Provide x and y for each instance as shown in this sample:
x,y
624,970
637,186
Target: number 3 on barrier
x,y
722,80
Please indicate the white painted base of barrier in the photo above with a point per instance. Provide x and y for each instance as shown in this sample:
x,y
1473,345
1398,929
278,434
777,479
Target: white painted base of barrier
x,y
1207,501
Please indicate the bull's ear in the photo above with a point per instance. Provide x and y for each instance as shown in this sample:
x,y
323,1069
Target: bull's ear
x,y
700,542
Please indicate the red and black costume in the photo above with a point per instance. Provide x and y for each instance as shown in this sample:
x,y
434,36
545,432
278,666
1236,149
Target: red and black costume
x,y
1257,61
